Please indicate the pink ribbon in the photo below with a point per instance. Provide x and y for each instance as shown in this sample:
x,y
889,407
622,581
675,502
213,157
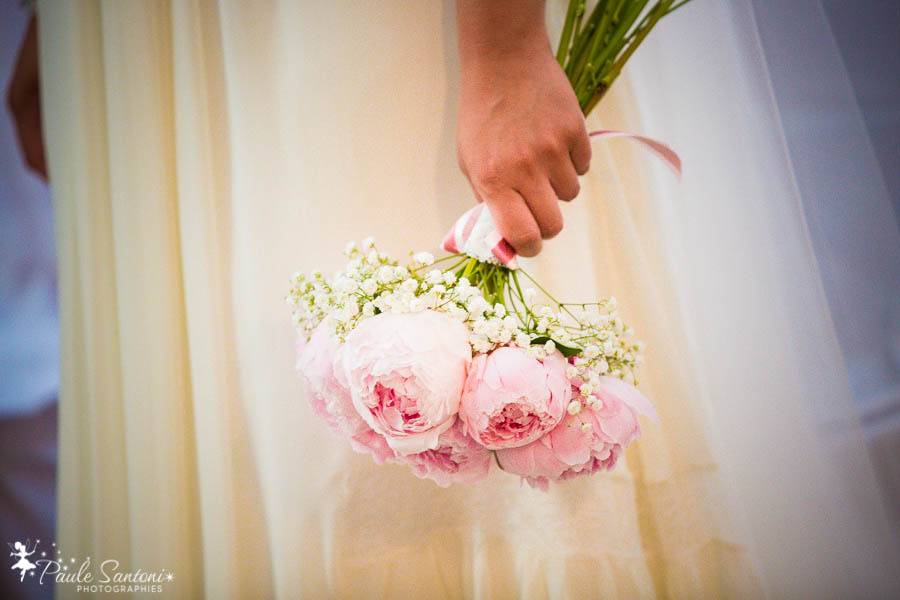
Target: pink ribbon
x,y
668,156
486,244
475,234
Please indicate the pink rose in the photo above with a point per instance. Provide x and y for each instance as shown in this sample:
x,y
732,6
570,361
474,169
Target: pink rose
x,y
457,459
571,449
329,396
512,399
405,373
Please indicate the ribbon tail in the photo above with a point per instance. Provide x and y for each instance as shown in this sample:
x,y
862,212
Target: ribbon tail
x,y
663,151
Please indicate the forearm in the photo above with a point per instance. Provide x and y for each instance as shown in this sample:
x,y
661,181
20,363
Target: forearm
x,y
521,137
499,34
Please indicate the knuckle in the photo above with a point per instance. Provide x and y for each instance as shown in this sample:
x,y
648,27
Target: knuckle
x,y
549,146
522,161
500,170
490,176
578,129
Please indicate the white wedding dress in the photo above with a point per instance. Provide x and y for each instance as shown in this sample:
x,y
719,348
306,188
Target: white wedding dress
x,y
201,152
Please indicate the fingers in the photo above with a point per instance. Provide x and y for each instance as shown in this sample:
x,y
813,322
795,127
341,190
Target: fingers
x,y
581,152
515,222
523,178
524,198
564,179
544,207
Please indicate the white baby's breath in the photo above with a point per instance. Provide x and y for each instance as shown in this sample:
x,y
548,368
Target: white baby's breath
x,y
593,336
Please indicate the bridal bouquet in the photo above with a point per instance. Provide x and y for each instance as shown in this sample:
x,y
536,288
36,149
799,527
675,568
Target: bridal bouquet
x,y
453,365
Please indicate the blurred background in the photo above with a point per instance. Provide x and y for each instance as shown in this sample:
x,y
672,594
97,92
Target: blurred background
x,y
840,103
850,185
29,339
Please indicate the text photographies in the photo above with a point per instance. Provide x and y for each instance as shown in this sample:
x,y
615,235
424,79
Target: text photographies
x,y
107,572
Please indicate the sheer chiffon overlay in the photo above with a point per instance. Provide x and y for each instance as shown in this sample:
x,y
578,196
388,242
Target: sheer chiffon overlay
x,y
201,152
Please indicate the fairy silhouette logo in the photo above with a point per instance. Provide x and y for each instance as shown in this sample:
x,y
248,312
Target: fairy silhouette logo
x,y
103,576
23,564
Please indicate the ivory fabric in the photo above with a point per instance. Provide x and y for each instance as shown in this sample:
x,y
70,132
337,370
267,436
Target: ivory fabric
x,y
203,151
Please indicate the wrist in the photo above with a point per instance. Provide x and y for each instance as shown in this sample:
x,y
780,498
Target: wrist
x,y
514,60
496,36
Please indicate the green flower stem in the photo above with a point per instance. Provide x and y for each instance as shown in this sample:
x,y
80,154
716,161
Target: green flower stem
x,y
441,260
500,285
594,54
617,35
591,38
566,37
676,6
579,16
528,311
655,14
466,271
497,460
515,309
551,297
457,264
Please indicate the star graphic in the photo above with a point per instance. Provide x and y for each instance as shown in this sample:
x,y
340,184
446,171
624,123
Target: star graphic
x,y
65,568
72,559
38,542
53,544
43,554
31,574
170,577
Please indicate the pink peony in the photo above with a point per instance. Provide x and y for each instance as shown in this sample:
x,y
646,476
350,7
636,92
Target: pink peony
x,y
329,396
374,444
405,373
568,450
457,459
512,399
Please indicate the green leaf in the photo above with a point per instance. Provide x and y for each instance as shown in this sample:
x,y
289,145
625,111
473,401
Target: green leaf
x,y
566,351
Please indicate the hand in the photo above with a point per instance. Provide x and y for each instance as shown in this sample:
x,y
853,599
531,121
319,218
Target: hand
x,y
23,97
522,140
